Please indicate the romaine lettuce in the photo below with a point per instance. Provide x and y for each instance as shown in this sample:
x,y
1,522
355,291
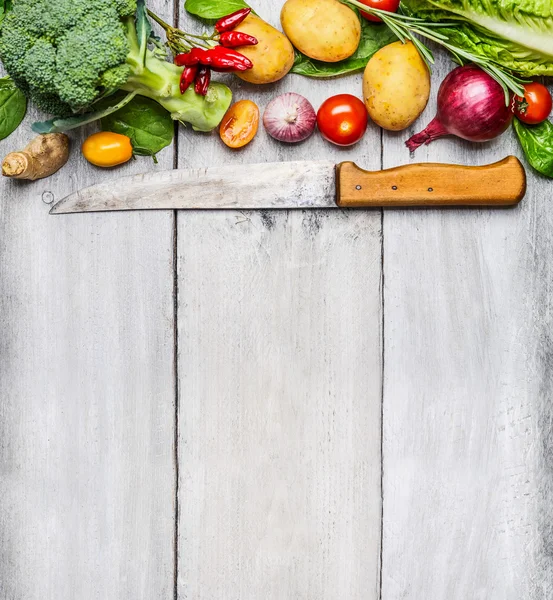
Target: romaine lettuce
x,y
517,34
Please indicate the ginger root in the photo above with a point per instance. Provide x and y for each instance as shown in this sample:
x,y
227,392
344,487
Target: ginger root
x,y
42,157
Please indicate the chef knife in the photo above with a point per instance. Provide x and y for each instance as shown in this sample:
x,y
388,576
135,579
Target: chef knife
x,y
305,184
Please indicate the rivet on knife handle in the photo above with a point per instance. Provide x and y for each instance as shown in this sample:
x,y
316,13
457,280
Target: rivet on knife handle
x,y
500,184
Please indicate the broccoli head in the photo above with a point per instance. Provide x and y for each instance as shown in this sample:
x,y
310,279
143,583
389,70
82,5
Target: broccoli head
x,y
66,55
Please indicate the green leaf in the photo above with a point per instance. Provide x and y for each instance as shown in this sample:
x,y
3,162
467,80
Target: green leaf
x,y
143,28
213,9
103,108
5,7
537,143
13,106
148,125
374,36
517,34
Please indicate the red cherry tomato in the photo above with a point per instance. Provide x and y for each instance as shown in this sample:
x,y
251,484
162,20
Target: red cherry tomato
x,y
342,119
536,105
389,5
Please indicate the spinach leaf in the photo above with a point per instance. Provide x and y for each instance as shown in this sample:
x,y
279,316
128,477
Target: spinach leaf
x,y
104,107
148,125
213,9
537,143
374,36
13,106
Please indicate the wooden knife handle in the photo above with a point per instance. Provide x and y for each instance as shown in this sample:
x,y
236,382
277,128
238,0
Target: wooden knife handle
x,y
432,184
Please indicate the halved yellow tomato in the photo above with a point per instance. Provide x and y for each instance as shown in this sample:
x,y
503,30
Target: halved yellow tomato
x,y
240,124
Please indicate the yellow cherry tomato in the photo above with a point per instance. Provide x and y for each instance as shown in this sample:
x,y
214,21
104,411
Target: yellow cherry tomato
x,y
107,149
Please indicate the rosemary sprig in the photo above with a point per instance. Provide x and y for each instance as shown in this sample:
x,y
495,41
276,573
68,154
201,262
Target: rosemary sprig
x,y
407,28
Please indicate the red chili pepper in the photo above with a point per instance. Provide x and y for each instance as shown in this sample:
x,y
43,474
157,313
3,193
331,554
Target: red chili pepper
x,y
226,58
187,77
233,39
183,59
218,57
203,77
221,69
231,21
188,59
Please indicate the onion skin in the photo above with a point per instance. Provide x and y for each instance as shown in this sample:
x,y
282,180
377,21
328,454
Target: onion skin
x,y
290,118
471,106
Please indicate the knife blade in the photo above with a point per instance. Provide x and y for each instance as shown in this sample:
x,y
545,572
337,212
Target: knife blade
x,y
304,185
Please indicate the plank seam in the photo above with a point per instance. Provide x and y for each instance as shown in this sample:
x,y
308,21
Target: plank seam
x,y
176,16
176,402
382,372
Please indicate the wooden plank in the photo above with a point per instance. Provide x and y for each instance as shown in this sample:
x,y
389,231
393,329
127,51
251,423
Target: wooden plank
x,y
87,392
279,383
468,490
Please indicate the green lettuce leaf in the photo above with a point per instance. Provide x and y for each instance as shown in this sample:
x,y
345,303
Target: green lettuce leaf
x,y
517,34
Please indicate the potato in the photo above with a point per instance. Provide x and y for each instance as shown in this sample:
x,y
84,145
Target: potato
x,y
272,57
325,30
396,86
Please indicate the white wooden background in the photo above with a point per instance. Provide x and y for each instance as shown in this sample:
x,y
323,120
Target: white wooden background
x,y
276,405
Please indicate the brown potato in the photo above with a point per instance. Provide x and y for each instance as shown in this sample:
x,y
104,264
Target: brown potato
x,y
272,57
325,30
396,86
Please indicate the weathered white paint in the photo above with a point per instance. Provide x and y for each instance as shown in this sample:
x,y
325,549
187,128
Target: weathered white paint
x,y
279,390
279,382
279,416
468,490
86,393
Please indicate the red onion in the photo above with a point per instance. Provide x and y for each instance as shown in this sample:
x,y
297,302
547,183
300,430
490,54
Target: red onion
x,y
471,105
289,118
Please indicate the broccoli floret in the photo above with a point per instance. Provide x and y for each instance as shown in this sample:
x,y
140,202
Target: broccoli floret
x,y
126,8
64,48
66,55
79,74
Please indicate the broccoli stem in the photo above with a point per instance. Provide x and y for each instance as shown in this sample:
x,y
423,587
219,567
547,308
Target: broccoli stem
x,y
155,79
159,80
